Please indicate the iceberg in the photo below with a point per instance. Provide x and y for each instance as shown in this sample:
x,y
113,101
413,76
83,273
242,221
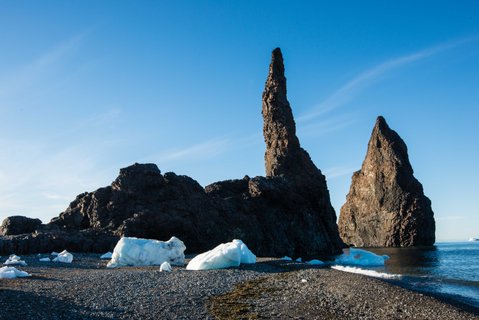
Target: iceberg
x,y
12,272
131,251
370,273
360,257
44,259
107,255
299,260
286,258
316,262
64,256
225,255
14,260
165,266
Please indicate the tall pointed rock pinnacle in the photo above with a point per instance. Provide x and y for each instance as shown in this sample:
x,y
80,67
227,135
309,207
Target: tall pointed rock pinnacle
x,y
283,156
386,205
286,162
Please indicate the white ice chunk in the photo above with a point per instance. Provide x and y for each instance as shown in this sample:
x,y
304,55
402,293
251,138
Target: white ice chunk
x,y
146,252
316,262
165,266
286,258
304,280
107,255
64,256
15,260
299,260
12,272
370,273
246,255
225,255
54,253
360,257
44,260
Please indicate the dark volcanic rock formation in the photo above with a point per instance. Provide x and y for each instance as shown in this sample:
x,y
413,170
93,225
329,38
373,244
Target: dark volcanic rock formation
x,y
386,205
18,225
286,213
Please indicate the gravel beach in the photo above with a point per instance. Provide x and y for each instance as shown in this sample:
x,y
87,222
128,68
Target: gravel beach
x,y
270,288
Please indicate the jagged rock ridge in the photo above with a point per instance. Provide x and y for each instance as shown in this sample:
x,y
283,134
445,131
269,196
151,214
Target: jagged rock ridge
x,y
288,212
386,205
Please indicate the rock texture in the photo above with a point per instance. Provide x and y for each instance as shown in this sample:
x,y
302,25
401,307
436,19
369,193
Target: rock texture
x,y
288,212
18,225
386,205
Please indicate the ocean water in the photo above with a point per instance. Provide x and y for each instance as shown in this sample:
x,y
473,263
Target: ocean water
x,y
450,269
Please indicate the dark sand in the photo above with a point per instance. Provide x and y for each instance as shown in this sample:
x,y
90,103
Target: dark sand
x,y
269,289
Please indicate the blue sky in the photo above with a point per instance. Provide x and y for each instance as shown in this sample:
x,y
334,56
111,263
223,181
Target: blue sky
x,y
88,87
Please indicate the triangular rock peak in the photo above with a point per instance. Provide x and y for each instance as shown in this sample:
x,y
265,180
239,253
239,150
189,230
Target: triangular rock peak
x,y
284,155
288,212
386,205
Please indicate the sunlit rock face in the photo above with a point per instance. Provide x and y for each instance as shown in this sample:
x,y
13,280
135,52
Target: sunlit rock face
x,y
386,205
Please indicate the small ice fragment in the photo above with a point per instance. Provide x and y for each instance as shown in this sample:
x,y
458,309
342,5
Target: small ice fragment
x,y
54,253
165,266
286,258
316,262
304,280
45,260
12,272
15,260
299,260
106,255
64,256
360,257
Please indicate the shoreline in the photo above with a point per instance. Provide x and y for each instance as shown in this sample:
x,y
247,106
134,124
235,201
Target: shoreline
x,y
443,297
270,288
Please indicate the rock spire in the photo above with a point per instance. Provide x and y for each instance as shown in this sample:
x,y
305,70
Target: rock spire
x,y
284,154
386,205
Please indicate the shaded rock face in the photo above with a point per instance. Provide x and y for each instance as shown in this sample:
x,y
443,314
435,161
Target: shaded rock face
x,y
386,205
288,212
15,225
49,240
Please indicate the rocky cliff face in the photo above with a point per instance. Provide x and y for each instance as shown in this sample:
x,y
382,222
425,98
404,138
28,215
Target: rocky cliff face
x,y
386,205
286,213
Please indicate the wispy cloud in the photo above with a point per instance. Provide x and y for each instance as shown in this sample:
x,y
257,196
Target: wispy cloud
x,y
340,171
22,77
327,125
347,91
201,151
41,181
450,218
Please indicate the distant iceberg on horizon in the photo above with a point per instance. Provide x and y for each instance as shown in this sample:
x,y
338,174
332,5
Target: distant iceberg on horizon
x,y
473,239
